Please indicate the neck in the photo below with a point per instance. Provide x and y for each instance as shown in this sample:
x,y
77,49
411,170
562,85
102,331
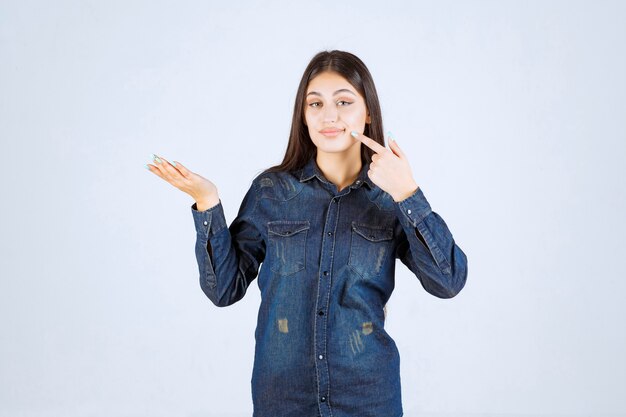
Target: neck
x,y
340,168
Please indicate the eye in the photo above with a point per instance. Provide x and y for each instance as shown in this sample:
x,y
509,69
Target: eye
x,y
343,101
314,104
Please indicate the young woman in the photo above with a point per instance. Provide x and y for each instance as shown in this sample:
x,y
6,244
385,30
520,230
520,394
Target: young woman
x,y
328,224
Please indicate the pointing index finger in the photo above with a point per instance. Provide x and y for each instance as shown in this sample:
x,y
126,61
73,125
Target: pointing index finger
x,y
369,142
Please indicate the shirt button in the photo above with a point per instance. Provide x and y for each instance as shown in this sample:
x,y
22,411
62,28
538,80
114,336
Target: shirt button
x,y
330,233
358,181
321,357
323,398
409,211
325,272
321,313
205,222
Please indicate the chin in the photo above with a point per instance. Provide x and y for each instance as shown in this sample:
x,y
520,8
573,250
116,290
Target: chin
x,y
333,147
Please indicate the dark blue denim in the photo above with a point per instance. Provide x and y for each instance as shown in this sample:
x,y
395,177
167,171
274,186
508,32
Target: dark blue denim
x,y
327,260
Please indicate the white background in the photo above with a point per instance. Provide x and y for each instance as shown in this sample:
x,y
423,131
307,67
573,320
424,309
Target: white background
x,y
514,119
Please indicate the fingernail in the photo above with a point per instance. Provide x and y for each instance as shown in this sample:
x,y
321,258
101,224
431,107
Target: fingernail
x,y
174,163
354,133
390,134
147,167
156,159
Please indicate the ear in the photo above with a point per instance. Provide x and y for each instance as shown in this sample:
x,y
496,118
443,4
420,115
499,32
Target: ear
x,y
368,120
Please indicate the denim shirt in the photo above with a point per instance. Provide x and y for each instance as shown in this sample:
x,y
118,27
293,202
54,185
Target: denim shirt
x,y
327,260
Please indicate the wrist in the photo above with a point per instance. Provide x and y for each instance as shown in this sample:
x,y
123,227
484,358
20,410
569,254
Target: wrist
x,y
405,194
203,204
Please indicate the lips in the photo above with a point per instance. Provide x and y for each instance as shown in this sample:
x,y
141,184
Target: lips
x,y
332,133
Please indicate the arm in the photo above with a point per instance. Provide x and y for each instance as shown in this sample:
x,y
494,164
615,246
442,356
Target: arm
x,y
428,248
228,257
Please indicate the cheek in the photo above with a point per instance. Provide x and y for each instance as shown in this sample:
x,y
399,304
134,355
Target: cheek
x,y
309,118
356,117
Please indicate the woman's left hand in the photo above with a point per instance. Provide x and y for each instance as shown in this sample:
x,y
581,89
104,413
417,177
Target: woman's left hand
x,y
389,169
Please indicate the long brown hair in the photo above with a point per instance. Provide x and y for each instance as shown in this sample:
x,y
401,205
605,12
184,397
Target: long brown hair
x,y
300,147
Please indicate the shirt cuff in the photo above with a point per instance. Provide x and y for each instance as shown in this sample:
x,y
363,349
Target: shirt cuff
x,y
210,221
414,208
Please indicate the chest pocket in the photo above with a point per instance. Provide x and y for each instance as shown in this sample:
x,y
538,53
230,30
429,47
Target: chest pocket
x,y
369,249
287,242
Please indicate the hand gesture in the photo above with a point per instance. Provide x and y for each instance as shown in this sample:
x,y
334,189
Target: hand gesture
x,y
203,191
389,169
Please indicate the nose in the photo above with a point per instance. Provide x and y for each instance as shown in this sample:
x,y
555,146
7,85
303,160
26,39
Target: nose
x,y
330,114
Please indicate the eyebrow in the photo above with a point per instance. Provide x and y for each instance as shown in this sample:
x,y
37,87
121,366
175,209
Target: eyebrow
x,y
342,90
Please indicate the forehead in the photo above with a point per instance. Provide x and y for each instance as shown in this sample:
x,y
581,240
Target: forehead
x,y
328,82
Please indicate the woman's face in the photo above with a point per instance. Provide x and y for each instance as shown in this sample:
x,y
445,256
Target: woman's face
x,y
334,108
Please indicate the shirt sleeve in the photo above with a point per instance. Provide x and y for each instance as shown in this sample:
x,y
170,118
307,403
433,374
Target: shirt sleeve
x,y
428,248
228,257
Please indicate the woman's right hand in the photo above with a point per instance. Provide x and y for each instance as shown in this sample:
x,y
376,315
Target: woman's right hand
x,y
203,191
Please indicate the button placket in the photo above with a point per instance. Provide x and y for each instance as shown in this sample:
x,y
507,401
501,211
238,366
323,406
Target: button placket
x,y
323,298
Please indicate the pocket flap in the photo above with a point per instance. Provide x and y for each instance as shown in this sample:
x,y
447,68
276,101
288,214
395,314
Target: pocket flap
x,y
287,227
373,233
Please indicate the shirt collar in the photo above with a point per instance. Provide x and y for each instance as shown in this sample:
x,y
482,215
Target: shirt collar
x,y
311,170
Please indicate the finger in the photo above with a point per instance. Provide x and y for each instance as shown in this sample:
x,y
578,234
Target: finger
x,y
369,142
167,170
163,165
155,166
160,161
393,145
181,168
154,170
